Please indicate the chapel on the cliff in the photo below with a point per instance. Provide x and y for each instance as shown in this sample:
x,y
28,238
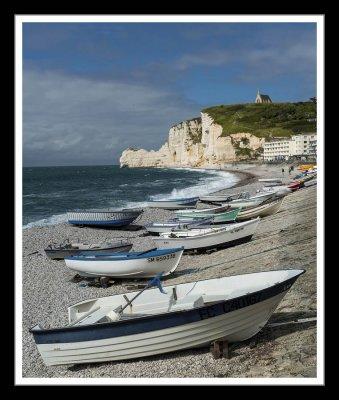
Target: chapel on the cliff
x,y
263,98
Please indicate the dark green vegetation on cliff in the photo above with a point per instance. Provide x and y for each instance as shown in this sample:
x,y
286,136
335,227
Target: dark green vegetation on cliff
x,y
265,120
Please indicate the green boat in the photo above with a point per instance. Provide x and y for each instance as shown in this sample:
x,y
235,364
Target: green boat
x,y
227,216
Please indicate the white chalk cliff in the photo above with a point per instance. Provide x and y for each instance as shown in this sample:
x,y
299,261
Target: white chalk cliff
x,y
196,143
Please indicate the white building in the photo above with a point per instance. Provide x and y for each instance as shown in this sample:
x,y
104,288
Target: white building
x,y
283,148
277,149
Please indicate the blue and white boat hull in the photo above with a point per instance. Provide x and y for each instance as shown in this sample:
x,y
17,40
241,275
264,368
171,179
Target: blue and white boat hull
x,y
234,308
102,218
128,265
175,204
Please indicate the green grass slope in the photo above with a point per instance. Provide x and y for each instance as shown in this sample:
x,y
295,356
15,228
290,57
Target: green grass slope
x,y
265,120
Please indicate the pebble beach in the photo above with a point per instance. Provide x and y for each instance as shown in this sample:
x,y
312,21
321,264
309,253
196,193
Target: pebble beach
x,y
284,240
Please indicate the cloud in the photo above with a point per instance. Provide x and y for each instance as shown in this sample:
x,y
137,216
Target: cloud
x,y
271,60
70,120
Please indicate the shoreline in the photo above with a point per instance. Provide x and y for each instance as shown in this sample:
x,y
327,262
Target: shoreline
x,y
284,239
245,178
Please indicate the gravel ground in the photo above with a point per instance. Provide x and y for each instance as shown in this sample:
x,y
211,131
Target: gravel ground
x,y
284,240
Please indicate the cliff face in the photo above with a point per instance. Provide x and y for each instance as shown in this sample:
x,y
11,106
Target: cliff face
x,y
195,143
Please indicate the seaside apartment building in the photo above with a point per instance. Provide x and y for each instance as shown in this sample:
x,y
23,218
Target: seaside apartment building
x,y
298,145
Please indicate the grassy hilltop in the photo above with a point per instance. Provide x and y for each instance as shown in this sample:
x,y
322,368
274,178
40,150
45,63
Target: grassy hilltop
x,y
265,120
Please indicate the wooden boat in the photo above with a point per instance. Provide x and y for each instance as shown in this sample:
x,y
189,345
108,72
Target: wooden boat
x,y
161,227
252,201
126,265
311,182
175,204
279,191
271,181
295,185
105,218
262,210
59,252
227,216
188,315
215,198
209,238
214,210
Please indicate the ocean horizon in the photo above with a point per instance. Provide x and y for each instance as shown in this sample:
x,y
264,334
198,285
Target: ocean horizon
x,y
49,192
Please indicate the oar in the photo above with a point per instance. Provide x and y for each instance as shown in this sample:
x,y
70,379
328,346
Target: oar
x,y
116,314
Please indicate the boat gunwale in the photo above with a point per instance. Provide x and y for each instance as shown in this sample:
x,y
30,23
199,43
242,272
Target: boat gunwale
x,y
128,256
215,231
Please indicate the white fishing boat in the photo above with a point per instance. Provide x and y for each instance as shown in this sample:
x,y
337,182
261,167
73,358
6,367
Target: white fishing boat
x,y
245,203
126,265
212,210
263,210
271,180
230,235
59,252
223,198
174,204
187,315
168,226
312,182
279,191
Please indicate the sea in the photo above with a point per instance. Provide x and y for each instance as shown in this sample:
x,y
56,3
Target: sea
x,y
49,192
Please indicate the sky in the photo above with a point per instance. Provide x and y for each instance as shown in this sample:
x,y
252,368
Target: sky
x,y
90,90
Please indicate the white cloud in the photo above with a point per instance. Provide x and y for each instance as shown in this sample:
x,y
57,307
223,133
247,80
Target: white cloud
x,y
70,120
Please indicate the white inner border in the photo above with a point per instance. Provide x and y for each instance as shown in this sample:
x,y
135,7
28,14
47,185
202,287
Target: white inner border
x,y
319,20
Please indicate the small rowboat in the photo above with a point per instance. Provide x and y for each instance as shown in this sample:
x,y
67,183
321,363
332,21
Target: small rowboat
x,y
311,182
175,204
271,181
251,202
187,315
207,238
103,218
295,185
214,210
263,210
227,216
72,249
279,191
161,227
215,198
126,265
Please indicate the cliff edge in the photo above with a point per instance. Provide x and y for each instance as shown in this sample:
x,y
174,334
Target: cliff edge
x,y
225,134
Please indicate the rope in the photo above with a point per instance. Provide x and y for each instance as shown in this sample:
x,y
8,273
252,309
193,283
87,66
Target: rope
x,y
298,321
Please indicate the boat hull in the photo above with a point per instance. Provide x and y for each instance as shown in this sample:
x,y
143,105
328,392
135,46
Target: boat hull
x,y
174,204
102,218
234,320
125,268
61,254
227,216
260,211
234,235
157,228
215,210
223,198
